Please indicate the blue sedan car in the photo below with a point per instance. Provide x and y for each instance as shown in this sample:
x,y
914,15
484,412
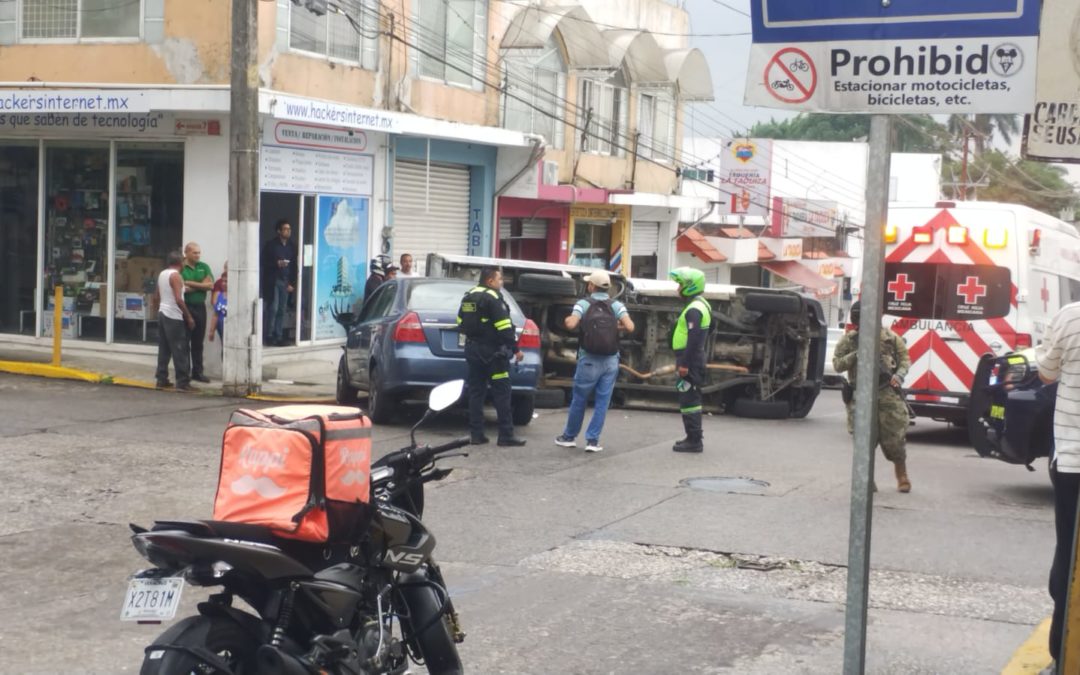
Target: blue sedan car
x,y
405,340
1011,412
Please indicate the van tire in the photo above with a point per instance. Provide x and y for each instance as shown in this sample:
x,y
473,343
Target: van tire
x,y
761,410
523,406
545,284
770,303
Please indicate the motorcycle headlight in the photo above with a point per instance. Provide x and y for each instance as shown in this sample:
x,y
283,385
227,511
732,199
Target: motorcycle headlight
x,y
1016,369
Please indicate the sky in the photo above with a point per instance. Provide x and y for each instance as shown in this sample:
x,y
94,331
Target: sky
x,y
727,57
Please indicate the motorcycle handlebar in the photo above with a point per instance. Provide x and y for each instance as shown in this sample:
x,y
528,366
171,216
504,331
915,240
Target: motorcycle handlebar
x,y
423,456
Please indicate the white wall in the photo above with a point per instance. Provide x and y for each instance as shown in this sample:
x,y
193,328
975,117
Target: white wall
x,y
915,177
206,196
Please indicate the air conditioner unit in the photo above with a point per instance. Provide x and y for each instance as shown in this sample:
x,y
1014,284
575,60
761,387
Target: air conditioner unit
x,y
551,173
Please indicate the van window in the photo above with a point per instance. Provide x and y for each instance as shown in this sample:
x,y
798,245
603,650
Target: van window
x,y
947,291
1070,290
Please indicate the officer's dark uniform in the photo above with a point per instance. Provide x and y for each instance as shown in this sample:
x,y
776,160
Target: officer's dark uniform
x,y
484,317
688,342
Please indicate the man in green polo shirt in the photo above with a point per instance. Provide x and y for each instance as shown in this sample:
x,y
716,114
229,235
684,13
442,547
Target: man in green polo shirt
x,y
198,279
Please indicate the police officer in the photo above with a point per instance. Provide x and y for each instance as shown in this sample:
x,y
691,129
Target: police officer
x,y
892,414
688,342
484,318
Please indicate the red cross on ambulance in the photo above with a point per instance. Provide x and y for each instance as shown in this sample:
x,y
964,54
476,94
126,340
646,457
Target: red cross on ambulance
x,y
901,287
971,290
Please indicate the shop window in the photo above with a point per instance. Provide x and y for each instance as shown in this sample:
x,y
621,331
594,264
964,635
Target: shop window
x,y
450,44
18,235
523,238
643,266
656,124
334,36
534,94
77,236
592,244
80,19
604,104
149,224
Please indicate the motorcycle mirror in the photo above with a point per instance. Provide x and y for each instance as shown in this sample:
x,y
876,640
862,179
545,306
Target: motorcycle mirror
x,y
445,395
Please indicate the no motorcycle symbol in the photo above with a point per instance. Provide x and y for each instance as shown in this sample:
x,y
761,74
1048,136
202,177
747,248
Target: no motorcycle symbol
x,y
791,76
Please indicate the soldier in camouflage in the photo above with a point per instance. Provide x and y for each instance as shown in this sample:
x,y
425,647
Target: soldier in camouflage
x,y
892,410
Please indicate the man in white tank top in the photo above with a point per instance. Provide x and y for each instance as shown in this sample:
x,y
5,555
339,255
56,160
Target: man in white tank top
x,y
174,322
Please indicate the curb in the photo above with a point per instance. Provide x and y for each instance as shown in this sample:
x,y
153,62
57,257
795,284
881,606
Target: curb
x,y
35,369
1033,655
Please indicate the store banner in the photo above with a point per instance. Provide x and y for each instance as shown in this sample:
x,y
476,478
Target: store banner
x,y
1052,131
301,157
108,125
803,217
745,165
341,248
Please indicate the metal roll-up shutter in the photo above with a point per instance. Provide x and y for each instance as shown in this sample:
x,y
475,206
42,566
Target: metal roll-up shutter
x,y
430,218
644,238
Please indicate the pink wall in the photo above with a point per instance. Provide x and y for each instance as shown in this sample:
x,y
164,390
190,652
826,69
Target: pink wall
x,y
557,214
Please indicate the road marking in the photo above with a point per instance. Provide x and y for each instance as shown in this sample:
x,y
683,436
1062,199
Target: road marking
x,y
1032,656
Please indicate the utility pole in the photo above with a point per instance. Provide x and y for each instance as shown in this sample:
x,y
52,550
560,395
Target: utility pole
x,y
243,340
866,394
964,167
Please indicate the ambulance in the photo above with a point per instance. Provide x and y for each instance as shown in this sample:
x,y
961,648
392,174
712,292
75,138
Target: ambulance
x,y
964,279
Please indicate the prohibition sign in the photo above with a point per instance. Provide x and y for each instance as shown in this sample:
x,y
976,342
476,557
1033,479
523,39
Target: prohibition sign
x,y
790,75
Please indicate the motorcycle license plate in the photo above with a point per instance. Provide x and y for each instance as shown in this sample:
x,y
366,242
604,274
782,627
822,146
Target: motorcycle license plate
x,y
152,599
461,340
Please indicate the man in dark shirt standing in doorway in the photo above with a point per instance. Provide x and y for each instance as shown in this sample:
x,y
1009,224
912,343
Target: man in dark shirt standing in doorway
x,y
279,273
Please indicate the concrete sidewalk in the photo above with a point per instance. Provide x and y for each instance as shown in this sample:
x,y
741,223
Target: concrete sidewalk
x,y
313,381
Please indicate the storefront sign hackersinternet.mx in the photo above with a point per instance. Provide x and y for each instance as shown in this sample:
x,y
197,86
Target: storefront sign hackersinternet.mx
x,y
72,101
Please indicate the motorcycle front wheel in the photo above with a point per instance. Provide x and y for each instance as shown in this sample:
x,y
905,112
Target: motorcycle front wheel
x,y
434,641
185,648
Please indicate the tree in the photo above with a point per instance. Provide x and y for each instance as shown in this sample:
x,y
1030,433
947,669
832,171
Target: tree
x,y
911,133
984,128
1039,185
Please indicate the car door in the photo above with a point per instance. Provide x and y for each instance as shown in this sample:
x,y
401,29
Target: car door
x,y
359,341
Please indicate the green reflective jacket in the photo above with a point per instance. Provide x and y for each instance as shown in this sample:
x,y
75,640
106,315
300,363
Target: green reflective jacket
x,y
682,333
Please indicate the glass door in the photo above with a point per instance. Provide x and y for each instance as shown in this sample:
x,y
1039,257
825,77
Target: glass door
x,y
305,315
76,236
18,235
149,223
592,243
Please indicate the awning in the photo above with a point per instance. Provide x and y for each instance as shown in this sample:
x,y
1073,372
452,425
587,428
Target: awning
x,y
689,68
641,54
795,272
763,252
585,45
737,232
695,243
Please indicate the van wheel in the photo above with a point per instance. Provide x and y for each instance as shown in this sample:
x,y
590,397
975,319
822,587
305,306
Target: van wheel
x,y
380,403
346,393
523,405
770,303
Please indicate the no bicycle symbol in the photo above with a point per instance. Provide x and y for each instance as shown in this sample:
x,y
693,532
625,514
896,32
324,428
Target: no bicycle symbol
x,y
791,76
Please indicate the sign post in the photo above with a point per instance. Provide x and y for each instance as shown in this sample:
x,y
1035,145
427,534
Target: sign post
x,y
885,58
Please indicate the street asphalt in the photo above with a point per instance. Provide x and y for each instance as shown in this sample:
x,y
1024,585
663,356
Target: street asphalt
x,y
560,561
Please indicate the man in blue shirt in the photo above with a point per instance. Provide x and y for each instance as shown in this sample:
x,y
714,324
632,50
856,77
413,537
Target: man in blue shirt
x,y
600,319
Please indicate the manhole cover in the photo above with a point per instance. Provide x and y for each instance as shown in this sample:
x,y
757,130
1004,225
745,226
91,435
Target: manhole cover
x,y
740,485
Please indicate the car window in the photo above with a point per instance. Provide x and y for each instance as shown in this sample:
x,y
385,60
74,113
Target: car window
x,y
446,296
380,303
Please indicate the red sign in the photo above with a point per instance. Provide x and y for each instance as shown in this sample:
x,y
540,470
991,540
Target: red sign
x,y
972,290
901,287
791,76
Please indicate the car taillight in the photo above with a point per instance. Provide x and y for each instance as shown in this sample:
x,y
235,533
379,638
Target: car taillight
x,y
530,336
1023,340
409,329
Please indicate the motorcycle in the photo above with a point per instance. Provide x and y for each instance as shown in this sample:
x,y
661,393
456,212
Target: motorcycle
x,y
318,608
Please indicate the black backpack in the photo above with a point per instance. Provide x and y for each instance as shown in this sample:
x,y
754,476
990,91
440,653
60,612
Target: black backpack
x,y
600,329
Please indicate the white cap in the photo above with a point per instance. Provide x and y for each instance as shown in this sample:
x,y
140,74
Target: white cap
x,y
600,279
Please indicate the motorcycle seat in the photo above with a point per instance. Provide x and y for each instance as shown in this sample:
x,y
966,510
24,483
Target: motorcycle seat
x,y
219,528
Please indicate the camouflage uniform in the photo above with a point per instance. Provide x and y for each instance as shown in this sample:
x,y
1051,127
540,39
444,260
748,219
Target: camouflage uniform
x,y
892,411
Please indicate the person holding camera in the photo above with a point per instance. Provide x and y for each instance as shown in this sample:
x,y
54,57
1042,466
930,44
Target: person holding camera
x,y
892,412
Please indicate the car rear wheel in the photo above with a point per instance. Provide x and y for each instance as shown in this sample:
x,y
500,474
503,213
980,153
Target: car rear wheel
x,y
523,406
346,393
380,403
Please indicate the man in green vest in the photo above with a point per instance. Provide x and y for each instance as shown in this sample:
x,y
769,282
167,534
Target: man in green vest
x,y
688,341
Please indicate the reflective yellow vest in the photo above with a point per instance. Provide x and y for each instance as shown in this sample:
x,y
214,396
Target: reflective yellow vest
x,y
682,333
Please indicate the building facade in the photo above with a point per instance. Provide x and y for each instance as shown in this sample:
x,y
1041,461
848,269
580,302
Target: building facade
x,y
408,126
